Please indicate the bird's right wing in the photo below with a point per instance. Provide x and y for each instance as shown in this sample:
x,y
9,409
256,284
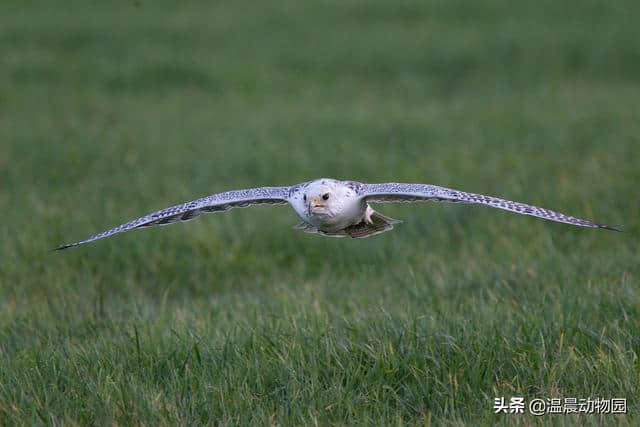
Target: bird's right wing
x,y
214,203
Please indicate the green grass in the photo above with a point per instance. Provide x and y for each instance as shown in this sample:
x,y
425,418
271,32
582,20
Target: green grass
x,y
109,110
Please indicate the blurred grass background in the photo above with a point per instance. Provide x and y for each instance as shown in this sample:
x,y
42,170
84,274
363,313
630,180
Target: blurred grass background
x,y
109,110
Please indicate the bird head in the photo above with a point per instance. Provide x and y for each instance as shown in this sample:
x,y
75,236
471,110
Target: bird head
x,y
320,199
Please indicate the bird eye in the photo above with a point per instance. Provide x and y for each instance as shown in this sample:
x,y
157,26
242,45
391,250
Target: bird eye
x,y
325,196
304,197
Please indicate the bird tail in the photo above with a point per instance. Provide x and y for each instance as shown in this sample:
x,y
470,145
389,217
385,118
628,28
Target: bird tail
x,y
379,224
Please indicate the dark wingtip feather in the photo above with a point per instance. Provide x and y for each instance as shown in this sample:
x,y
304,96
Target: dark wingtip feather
x,y
609,227
62,247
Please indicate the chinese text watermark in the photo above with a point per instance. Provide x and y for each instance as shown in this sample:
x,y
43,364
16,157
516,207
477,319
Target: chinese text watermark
x,y
568,405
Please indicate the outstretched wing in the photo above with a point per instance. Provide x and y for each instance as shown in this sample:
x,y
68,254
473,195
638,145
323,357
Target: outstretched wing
x,y
397,192
215,203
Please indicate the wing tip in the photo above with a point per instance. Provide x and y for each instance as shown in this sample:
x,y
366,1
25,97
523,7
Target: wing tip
x,y
610,228
63,247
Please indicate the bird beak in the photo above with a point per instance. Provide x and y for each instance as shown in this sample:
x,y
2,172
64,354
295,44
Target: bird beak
x,y
316,202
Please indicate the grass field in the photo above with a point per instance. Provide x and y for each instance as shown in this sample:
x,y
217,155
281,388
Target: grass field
x,y
109,110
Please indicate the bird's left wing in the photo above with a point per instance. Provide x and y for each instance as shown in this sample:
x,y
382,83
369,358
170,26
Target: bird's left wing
x,y
398,192
214,203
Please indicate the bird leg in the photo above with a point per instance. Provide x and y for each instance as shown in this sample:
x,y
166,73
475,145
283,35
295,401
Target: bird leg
x,y
367,215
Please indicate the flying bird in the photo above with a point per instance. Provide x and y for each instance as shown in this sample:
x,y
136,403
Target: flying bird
x,y
334,208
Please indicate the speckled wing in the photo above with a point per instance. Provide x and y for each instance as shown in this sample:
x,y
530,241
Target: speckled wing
x,y
398,192
187,211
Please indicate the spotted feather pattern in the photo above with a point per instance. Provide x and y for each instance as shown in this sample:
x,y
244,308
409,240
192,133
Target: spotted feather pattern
x,y
398,192
187,211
